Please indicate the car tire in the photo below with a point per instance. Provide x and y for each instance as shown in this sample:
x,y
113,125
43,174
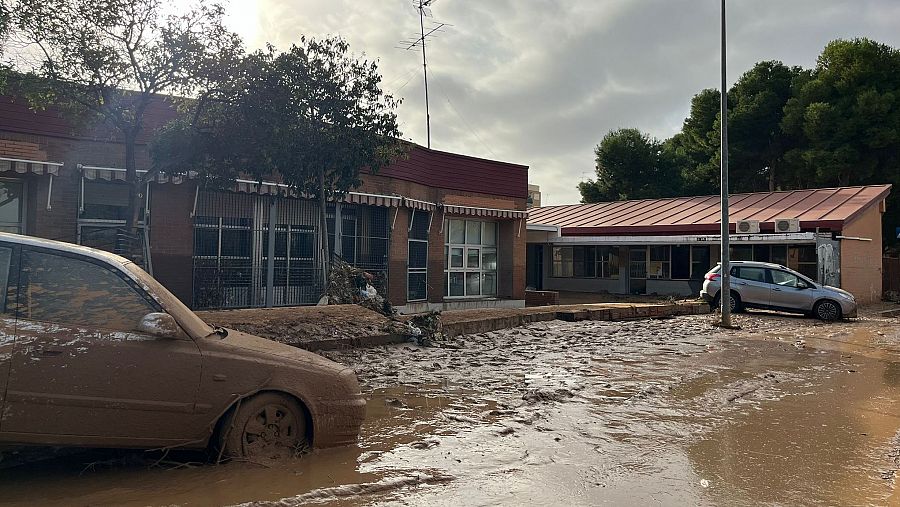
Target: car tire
x,y
736,305
827,310
268,425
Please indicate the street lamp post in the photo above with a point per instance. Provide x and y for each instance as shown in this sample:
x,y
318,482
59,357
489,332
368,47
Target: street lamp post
x,y
725,292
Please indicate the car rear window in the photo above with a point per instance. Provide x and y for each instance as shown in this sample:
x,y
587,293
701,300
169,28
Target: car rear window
x,y
753,274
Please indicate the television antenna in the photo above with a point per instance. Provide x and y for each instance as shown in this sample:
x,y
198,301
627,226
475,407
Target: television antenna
x,y
419,41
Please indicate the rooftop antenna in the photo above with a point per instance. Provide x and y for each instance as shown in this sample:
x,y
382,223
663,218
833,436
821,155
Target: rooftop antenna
x,y
419,40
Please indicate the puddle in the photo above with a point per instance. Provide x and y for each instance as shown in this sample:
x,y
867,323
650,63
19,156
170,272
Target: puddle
x,y
592,413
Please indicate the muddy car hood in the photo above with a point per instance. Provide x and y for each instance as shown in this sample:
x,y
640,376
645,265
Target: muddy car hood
x,y
255,344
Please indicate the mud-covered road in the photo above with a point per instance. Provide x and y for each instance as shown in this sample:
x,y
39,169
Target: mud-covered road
x,y
786,411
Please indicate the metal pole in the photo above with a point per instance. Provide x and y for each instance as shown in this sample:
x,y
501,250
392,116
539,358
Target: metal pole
x,y
726,270
270,255
425,68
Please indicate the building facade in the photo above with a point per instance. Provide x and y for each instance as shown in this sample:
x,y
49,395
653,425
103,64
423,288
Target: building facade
x,y
436,230
666,246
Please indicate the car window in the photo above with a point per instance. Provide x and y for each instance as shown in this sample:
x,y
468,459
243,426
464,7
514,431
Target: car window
x,y
74,292
749,273
786,279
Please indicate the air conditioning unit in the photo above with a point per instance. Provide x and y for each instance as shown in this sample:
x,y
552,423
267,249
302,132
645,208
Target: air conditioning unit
x,y
787,225
747,227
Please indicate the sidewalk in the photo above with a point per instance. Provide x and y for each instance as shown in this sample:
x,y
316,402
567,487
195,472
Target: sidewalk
x,y
349,326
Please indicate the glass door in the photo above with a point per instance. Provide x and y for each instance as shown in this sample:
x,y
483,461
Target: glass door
x,y
637,270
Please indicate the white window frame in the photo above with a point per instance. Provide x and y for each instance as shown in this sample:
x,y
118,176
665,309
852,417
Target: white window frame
x,y
411,270
465,269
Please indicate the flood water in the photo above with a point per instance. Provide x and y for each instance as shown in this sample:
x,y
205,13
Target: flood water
x,y
664,412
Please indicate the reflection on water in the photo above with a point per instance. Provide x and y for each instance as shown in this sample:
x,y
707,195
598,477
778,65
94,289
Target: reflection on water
x,y
645,412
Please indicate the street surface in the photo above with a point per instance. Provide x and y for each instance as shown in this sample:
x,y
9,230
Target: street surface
x,y
786,411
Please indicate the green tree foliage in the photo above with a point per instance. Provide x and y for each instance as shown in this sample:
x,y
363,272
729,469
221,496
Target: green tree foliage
x,y
757,143
847,113
630,165
108,59
835,125
311,117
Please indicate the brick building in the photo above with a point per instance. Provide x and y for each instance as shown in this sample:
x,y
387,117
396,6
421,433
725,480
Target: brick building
x,y
438,230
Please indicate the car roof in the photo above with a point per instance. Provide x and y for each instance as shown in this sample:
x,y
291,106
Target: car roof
x,y
756,264
64,247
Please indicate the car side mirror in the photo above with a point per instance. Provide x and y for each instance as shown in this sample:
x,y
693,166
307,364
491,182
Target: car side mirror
x,y
159,324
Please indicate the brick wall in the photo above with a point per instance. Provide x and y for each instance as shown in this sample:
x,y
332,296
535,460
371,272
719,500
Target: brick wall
x,y
397,256
436,261
172,237
12,148
541,298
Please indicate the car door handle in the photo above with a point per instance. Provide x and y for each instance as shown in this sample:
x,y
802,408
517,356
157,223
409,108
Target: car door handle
x,y
777,290
51,352
740,283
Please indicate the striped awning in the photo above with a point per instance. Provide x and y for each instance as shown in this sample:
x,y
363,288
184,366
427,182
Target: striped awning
x,y
373,199
270,188
118,174
485,212
29,166
420,205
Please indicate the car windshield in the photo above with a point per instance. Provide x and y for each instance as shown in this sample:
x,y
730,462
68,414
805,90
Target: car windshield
x,y
193,324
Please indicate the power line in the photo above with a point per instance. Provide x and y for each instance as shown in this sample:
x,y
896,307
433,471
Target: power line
x,y
467,124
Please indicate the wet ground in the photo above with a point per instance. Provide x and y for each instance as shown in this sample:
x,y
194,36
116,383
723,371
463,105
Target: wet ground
x,y
786,411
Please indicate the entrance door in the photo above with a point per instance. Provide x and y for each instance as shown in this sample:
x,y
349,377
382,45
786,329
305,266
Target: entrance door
x,y
534,260
80,369
637,270
12,199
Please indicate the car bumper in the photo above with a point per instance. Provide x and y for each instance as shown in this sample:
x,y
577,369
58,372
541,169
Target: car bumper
x,y
706,296
849,310
338,422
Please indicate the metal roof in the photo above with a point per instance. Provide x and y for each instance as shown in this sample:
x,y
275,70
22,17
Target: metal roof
x,y
827,208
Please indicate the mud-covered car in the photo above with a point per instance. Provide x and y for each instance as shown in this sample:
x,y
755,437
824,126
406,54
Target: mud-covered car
x,y
94,352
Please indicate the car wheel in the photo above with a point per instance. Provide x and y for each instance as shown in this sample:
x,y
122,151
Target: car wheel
x,y
268,425
736,305
827,310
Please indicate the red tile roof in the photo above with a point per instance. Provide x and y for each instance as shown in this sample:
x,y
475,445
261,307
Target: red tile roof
x,y
827,208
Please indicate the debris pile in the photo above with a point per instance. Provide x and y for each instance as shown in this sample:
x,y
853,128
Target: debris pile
x,y
351,285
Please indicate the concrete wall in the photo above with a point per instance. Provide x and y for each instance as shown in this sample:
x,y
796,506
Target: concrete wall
x,y
861,260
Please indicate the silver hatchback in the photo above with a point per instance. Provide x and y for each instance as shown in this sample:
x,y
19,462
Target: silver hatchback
x,y
775,287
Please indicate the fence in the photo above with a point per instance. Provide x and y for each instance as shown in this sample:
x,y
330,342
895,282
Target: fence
x,y
237,264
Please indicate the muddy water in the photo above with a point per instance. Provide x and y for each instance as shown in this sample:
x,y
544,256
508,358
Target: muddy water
x,y
666,412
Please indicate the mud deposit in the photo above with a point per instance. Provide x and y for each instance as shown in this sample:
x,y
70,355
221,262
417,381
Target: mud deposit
x,y
665,412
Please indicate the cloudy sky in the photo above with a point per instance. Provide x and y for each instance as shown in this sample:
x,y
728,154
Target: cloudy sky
x,y
539,82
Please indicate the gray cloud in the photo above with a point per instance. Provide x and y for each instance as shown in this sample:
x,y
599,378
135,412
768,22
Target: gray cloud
x,y
539,82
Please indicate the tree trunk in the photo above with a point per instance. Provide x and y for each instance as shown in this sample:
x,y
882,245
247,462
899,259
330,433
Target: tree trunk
x,y
134,186
323,216
771,177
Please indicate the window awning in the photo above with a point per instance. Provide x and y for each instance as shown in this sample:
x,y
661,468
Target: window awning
x,y
419,205
373,199
270,188
485,212
22,166
118,174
